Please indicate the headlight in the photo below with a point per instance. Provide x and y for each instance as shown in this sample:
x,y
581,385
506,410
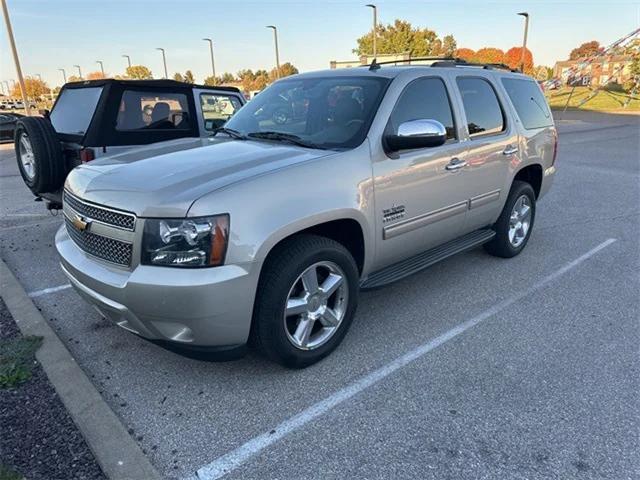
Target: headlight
x,y
188,242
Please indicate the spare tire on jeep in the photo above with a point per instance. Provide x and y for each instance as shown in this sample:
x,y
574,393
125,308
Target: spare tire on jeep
x,y
39,155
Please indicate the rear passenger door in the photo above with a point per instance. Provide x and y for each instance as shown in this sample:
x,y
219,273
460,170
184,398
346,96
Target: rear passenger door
x,y
493,145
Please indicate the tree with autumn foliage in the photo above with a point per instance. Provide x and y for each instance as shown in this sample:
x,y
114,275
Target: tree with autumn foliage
x,y
402,37
138,72
512,58
36,88
465,54
286,70
587,49
96,75
489,55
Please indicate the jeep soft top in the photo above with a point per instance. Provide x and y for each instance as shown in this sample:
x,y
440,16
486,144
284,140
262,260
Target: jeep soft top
x,y
95,118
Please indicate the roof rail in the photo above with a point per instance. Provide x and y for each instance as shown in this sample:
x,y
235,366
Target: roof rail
x,y
441,62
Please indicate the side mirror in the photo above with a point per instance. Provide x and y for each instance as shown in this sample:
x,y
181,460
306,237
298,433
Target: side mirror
x,y
417,134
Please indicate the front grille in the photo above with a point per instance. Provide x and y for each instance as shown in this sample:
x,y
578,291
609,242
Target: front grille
x,y
126,221
109,249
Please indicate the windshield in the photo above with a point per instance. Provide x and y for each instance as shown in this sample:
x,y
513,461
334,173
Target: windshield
x,y
330,112
74,110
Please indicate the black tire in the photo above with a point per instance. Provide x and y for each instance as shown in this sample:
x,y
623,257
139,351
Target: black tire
x,y
500,245
279,274
50,170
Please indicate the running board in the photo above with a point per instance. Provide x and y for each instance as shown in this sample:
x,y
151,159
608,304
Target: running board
x,y
423,260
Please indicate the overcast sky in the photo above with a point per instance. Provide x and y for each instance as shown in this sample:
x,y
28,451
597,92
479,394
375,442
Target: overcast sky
x,y
54,34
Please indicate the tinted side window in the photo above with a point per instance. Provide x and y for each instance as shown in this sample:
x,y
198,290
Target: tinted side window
x,y
153,111
484,114
425,98
74,110
529,102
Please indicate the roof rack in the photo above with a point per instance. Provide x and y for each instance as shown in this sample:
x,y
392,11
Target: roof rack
x,y
441,62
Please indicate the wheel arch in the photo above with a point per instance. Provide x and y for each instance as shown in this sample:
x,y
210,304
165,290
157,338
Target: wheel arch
x,y
346,228
532,174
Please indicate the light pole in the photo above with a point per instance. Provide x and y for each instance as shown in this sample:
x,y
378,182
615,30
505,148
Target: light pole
x,y
375,27
275,38
16,60
79,71
213,65
64,74
524,41
128,60
101,67
164,62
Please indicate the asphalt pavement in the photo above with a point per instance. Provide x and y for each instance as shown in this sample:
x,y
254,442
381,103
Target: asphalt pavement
x,y
478,367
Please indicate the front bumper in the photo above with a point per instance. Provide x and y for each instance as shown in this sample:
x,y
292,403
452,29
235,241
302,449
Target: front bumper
x,y
201,307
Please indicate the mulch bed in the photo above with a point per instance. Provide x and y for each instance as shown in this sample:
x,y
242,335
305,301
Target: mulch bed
x,y
39,439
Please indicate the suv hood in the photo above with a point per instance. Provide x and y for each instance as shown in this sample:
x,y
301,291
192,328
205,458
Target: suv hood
x,y
164,179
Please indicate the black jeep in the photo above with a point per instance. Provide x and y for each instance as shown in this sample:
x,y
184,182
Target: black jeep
x,y
94,118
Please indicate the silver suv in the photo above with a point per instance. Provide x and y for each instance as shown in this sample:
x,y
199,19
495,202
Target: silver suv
x,y
265,232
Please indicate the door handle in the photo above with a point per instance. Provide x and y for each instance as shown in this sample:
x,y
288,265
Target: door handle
x,y
455,164
510,150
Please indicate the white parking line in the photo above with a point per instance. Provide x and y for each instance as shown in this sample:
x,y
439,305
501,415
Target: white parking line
x,y
45,291
234,459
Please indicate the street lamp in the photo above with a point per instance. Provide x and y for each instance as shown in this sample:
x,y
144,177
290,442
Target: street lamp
x,y
79,71
128,59
16,60
101,67
375,27
213,65
524,42
64,74
164,62
275,38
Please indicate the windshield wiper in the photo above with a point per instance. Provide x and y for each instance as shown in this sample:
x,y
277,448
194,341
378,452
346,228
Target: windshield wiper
x,y
284,137
229,131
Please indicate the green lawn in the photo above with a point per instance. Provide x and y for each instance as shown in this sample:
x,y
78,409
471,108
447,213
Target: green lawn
x,y
603,101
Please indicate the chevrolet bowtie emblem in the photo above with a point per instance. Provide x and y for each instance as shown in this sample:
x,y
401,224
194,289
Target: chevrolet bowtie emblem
x,y
81,223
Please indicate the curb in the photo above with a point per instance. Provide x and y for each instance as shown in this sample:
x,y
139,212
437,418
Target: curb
x,y
118,455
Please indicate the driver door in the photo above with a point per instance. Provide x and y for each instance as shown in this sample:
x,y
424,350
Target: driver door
x,y
421,198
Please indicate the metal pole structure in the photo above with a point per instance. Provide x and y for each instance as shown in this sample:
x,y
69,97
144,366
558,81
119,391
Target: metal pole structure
x,y
101,67
64,74
79,71
164,62
375,28
16,61
275,38
213,65
524,41
8,88
128,59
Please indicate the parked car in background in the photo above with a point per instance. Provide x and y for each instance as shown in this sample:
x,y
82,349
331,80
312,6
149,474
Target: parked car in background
x,y
92,119
267,231
8,125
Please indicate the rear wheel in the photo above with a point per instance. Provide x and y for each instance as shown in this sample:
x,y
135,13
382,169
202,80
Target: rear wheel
x,y
515,223
307,297
39,155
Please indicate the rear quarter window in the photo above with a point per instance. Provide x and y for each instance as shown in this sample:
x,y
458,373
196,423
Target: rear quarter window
x,y
74,110
529,102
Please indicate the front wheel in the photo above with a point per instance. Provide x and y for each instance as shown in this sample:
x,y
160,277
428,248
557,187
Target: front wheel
x,y
515,223
306,300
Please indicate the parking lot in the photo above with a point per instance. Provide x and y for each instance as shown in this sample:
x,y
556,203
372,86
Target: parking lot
x,y
478,367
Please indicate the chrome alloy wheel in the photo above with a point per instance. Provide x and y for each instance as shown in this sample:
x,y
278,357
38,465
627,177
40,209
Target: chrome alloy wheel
x,y
520,221
316,305
26,157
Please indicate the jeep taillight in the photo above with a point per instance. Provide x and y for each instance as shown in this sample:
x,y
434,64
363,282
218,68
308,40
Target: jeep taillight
x,y
87,154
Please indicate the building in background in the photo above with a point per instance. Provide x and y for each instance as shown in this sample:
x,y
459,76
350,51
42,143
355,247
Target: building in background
x,y
601,71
